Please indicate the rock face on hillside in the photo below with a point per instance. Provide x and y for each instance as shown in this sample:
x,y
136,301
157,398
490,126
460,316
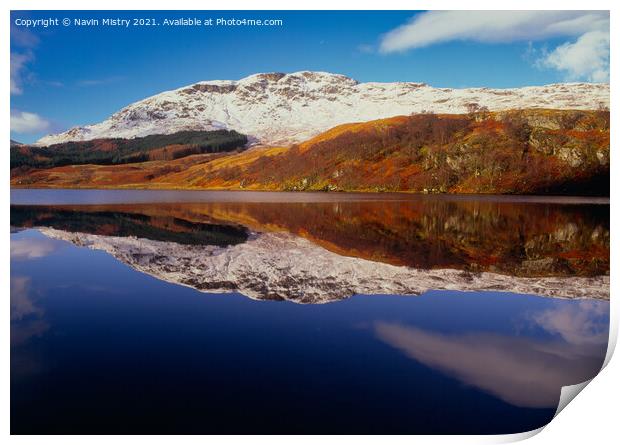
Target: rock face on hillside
x,y
277,108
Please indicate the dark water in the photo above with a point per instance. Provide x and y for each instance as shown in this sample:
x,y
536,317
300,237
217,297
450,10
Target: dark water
x,y
177,312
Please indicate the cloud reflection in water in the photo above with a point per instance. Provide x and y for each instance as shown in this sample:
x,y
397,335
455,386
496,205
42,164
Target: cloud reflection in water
x,y
523,371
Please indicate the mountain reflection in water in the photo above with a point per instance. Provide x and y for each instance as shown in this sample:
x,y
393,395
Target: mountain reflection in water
x,y
320,251
98,348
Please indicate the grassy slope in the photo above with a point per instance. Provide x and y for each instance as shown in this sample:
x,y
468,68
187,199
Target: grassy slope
x,y
529,151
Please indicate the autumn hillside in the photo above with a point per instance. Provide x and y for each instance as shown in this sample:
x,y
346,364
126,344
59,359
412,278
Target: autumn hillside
x,y
513,152
514,238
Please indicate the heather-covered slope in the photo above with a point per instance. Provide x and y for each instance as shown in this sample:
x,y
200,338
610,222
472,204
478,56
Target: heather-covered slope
x,y
531,151
511,152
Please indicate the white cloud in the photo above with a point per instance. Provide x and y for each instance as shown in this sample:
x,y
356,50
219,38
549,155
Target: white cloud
x,y
522,371
27,123
23,37
26,315
585,58
491,27
28,249
18,64
21,299
584,323
27,41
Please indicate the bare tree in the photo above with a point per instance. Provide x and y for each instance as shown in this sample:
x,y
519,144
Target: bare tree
x,y
472,108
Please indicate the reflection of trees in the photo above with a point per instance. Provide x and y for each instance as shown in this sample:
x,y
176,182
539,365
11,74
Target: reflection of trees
x,y
514,238
524,239
110,222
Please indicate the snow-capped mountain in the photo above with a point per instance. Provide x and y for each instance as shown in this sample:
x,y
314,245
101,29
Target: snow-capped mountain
x,y
282,266
277,108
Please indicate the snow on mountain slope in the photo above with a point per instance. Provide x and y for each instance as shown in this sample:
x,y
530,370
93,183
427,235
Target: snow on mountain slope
x,y
277,108
281,266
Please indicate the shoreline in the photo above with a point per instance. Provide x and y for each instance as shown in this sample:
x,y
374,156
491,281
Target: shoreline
x,y
324,195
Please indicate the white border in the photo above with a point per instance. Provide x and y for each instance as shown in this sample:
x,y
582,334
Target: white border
x,y
591,418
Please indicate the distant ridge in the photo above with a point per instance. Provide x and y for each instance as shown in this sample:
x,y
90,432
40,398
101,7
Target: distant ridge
x,y
279,108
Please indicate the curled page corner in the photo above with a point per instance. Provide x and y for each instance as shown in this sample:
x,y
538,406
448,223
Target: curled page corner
x,y
613,339
518,437
568,393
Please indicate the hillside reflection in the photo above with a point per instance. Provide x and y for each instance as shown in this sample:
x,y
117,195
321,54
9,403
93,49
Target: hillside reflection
x,y
513,238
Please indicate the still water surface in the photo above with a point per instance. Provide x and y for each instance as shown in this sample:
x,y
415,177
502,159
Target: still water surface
x,y
195,312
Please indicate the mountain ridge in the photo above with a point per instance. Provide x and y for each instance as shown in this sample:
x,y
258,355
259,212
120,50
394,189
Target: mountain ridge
x,y
279,108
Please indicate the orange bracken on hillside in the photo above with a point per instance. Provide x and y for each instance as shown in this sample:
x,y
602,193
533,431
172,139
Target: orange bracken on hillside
x,y
512,152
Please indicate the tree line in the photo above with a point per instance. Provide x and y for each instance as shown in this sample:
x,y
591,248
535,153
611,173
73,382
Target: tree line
x,y
123,151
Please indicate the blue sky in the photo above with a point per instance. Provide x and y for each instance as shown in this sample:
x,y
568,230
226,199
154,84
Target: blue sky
x,y
67,76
